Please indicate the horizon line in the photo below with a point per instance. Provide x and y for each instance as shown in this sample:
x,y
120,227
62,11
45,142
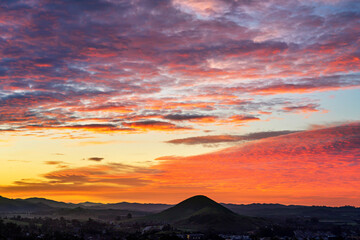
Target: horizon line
x,y
173,204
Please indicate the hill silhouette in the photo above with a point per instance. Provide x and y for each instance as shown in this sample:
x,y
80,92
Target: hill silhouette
x,y
50,203
200,213
20,205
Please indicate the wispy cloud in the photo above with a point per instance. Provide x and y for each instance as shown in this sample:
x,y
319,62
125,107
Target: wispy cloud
x,y
53,162
302,108
155,125
211,139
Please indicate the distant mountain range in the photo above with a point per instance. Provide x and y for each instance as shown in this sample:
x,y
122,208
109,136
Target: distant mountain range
x,y
108,211
20,205
141,207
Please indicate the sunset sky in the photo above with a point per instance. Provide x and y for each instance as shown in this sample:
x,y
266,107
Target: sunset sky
x,y
158,100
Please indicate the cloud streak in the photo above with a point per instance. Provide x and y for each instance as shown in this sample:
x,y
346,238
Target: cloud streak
x,y
212,139
96,159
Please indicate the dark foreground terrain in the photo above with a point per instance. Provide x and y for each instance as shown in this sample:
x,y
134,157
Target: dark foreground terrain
x,y
195,218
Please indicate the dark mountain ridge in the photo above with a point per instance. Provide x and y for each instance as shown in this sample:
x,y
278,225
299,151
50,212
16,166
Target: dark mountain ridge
x,y
272,211
19,205
50,203
200,213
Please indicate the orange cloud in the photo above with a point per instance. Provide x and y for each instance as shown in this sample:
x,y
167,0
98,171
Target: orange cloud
x,y
53,162
302,108
318,166
99,128
301,168
154,125
241,119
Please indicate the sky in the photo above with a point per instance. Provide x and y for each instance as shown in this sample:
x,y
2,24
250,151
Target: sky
x,y
244,101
